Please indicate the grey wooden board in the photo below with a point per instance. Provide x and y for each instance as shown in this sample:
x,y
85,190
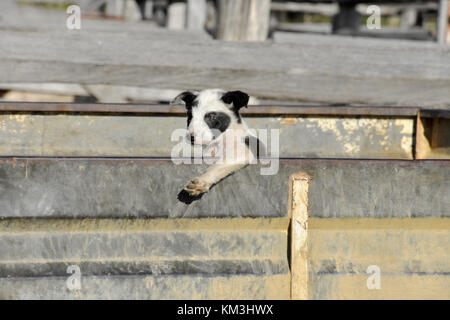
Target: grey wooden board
x,y
150,287
357,71
149,188
106,135
130,246
32,20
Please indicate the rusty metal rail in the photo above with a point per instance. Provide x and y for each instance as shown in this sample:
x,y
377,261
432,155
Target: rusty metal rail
x,y
255,110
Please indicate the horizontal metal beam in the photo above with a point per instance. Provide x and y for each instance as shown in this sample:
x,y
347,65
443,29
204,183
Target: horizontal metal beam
x,y
166,160
263,110
255,110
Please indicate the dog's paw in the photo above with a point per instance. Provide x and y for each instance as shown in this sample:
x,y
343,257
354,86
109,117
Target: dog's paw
x,y
197,186
186,198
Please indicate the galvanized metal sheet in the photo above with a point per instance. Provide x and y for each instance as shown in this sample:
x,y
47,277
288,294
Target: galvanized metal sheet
x,y
144,287
409,258
125,136
149,188
137,246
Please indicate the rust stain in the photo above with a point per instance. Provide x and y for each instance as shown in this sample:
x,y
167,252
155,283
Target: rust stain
x,y
289,121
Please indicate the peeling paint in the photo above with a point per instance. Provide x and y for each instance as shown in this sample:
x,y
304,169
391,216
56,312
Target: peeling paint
x,y
288,121
406,143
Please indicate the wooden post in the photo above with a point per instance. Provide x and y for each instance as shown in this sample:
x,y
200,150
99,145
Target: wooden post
x,y
448,24
408,18
430,138
347,20
176,16
442,21
131,11
423,147
243,20
114,8
146,8
299,184
196,14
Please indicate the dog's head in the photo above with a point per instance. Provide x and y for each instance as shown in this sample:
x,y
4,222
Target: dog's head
x,y
211,112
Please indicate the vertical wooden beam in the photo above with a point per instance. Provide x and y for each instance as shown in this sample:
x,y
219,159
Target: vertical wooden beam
x,y
347,20
146,8
422,145
243,20
408,18
432,138
435,133
115,8
176,16
442,21
196,14
131,11
299,213
448,25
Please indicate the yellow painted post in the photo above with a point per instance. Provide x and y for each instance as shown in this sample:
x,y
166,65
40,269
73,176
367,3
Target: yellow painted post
x,y
299,184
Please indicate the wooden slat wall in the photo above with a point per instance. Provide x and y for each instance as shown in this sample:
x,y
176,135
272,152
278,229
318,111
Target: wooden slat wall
x,y
358,71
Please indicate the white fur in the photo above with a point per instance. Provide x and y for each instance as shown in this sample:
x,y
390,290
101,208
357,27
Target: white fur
x,y
210,101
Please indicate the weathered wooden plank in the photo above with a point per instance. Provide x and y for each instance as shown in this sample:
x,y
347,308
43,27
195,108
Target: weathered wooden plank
x,y
149,188
358,71
30,19
331,8
291,6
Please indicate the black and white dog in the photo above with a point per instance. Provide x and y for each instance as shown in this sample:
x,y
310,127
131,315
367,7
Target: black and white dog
x,y
214,122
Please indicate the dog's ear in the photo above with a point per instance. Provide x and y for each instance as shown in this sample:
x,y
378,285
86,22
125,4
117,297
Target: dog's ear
x,y
239,99
186,97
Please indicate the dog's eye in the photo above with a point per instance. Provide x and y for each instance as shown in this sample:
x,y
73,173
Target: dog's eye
x,y
211,116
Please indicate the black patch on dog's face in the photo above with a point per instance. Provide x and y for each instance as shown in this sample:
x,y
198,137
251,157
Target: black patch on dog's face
x,y
189,116
239,99
217,120
188,98
189,107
